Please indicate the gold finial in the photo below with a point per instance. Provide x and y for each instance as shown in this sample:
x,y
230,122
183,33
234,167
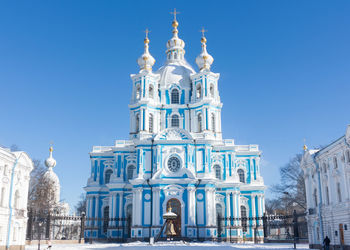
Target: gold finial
x,y
203,40
51,146
175,24
174,13
169,208
147,31
305,147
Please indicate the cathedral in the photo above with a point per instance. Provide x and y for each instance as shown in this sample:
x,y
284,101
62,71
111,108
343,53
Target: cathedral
x,y
175,157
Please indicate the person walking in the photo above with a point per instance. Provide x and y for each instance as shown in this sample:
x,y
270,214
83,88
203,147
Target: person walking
x,y
326,243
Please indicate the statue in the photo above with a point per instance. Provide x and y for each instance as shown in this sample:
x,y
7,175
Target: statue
x,y
170,217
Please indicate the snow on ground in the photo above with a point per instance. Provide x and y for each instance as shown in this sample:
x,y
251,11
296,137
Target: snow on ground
x,y
173,245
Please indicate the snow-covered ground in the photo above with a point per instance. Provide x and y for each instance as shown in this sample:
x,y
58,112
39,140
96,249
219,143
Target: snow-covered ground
x,y
173,245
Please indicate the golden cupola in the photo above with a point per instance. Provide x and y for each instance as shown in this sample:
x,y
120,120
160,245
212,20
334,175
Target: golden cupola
x,y
204,60
146,60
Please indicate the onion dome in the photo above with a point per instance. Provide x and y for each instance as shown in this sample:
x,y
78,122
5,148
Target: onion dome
x,y
50,162
146,60
51,179
204,60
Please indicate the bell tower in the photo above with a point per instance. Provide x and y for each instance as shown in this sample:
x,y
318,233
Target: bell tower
x,y
144,97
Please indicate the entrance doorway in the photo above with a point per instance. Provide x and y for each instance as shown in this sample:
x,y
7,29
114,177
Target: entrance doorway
x,y
175,208
128,220
341,234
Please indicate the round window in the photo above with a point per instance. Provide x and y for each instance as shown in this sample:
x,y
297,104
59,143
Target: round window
x,y
173,164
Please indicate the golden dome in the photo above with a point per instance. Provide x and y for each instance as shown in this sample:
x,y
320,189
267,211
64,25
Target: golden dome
x,y
203,40
175,24
146,40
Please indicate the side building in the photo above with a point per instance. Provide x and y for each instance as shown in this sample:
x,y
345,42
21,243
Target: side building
x,y
15,168
327,183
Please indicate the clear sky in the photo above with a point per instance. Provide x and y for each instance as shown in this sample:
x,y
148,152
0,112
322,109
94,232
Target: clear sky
x,y
65,66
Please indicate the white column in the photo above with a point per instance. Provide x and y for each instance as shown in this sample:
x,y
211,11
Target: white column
x,y
138,205
253,208
235,211
259,208
191,206
110,211
228,208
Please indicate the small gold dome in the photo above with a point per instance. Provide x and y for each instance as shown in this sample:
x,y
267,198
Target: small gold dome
x,y
51,149
203,40
175,24
146,40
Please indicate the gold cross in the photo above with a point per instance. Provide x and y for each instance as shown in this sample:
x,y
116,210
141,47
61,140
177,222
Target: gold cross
x,y
147,31
174,13
203,31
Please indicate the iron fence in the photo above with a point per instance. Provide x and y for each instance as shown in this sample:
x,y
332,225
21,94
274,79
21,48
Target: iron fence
x,y
55,227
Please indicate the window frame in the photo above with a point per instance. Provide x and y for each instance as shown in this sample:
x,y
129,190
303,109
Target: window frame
x,y
175,96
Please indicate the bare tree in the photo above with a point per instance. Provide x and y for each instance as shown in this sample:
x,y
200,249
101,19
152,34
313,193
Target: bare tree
x,y
291,190
41,191
81,205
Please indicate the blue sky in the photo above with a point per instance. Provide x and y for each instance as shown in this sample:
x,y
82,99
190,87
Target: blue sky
x,y
65,66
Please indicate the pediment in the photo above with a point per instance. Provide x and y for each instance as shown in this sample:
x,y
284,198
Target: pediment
x,y
173,134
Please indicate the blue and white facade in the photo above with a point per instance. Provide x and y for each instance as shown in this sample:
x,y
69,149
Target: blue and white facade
x,y
175,156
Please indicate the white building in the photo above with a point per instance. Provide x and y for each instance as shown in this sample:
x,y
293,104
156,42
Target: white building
x,y
175,157
327,181
15,168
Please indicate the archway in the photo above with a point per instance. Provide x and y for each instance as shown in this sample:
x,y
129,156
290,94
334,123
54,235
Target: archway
x,y
105,219
128,220
175,208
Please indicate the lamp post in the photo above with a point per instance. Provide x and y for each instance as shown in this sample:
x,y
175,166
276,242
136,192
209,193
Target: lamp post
x,y
39,225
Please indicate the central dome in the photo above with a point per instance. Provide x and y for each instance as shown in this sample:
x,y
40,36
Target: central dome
x,y
178,72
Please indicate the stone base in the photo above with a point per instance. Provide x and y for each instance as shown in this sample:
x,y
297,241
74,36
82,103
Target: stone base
x,y
15,247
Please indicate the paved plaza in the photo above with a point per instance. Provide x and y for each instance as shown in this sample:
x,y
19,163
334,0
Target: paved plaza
x,y
174,245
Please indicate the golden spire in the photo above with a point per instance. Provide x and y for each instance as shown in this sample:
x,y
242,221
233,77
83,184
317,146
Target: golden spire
x,y
305,147
175,24
147,31
203,40
51,147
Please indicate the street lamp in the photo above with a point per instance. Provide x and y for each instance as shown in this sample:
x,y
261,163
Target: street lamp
x,y
39,225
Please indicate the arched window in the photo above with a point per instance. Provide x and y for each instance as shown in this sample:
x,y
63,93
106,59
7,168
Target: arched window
x,y
105,219
130,172
335,161
108,174
244,218
348,155
217,169
315,197
2,197
241,175
175,122
137,123
16,201
150,123
175,96
324,167
213,122
138,92
211,90
199,120
339,192
198,91
175,55
327,195
150,91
